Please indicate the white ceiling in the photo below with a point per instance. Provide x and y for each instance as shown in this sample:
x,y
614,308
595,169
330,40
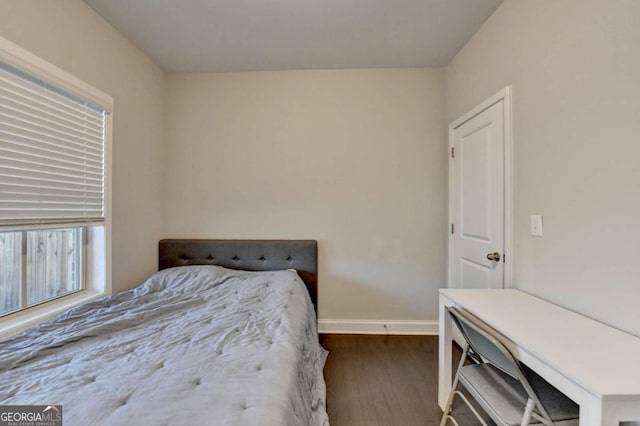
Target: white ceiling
x,y
252,35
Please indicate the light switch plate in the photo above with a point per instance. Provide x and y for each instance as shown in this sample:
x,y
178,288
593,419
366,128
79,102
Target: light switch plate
x,y
536,226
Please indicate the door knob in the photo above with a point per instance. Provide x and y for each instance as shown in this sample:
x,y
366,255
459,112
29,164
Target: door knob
x,y
494,256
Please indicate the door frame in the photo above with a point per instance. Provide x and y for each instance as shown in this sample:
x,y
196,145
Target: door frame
x,y
505,96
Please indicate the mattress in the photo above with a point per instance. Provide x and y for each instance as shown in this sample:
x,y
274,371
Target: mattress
x,y
194,345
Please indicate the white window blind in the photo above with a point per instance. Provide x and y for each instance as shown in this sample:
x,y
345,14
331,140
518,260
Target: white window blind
x,y
52,147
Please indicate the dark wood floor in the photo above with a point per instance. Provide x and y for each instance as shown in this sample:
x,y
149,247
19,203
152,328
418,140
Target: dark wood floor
x,y
385,380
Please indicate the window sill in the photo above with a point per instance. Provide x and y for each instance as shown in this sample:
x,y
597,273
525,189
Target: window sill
x,y
20,321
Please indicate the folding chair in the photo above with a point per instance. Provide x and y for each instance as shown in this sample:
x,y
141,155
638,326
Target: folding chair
x,y
508,391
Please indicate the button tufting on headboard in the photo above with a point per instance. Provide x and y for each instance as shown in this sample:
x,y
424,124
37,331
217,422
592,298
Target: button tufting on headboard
x,y
251,255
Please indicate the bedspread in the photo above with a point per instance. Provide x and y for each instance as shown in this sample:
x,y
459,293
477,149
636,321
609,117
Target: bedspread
x,y
196,345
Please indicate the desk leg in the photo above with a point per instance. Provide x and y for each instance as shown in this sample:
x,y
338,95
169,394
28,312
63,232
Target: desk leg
x,y
610,412
444,352
591,413
614,410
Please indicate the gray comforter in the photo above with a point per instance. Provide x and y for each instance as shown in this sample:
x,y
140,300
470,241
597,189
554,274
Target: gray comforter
x,y
197,345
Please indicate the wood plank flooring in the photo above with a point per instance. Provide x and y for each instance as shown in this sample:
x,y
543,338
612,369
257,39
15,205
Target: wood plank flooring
x,y
385,380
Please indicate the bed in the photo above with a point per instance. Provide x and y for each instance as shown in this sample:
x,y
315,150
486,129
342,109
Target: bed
x,y
224,334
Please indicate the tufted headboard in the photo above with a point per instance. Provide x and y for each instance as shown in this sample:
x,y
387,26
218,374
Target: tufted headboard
x,y
250,255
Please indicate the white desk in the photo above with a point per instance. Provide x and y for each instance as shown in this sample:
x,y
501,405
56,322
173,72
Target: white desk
x,y
595,365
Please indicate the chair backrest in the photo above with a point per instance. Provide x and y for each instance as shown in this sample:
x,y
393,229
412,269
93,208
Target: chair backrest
x,y
482,339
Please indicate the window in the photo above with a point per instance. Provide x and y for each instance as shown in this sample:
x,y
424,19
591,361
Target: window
x,y
39,266
54,134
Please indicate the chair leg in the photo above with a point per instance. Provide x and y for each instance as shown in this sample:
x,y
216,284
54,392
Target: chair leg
x,y
447,408
473,410
528,410
454,421
454,386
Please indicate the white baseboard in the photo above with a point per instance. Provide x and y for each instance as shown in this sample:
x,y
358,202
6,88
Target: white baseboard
x,y
331,326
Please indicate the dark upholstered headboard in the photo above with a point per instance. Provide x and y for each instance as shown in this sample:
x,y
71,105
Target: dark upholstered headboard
x,y
250,255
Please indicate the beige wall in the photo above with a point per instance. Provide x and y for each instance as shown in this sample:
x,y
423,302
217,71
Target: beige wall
x,y
575,70
353,158
73,37
356,159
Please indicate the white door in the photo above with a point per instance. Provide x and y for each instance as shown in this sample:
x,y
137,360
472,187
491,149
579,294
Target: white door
x,y
477,199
